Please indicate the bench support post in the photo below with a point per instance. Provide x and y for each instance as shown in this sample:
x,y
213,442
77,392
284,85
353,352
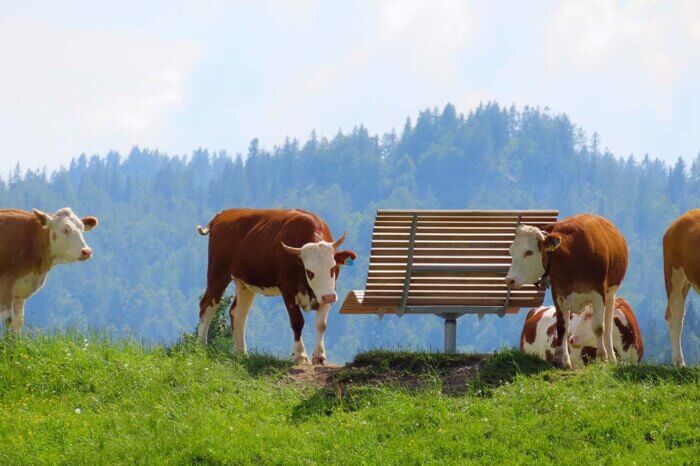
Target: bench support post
x,y
450,333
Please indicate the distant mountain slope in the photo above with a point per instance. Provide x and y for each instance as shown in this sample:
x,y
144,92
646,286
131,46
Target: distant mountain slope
x,y
149,264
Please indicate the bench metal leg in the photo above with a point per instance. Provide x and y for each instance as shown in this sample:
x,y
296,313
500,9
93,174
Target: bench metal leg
x,y
450,334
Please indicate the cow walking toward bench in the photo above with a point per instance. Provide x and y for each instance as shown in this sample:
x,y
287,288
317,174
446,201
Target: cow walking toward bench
x,y
273,252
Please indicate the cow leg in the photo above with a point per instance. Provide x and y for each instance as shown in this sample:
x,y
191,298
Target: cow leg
x,y
208,303
598,326
319,354
6,291
576,358
296,319
677,291
17,315
609,324
240,307
561,341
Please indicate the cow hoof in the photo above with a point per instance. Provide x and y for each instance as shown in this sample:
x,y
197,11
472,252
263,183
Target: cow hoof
x,y
319,360
301,359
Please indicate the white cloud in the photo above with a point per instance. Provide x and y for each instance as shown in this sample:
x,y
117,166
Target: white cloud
x,y
428,34
65,90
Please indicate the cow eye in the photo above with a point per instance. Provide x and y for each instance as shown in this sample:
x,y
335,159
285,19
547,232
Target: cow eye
x,y
310,274
332,271
528,253
66,231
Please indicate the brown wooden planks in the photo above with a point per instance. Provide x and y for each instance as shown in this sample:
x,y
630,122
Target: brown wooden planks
x,y
445,239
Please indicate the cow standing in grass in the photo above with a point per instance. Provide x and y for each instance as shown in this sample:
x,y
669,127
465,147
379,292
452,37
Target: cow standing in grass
x,y
273,252
585,259
681,246
30,245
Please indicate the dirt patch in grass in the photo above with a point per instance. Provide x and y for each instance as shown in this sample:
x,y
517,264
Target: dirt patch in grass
x,y
306,375
452,373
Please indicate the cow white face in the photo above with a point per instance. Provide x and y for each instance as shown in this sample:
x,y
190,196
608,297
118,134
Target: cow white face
x,y
321,266
581,330
320,269
66,235
527,253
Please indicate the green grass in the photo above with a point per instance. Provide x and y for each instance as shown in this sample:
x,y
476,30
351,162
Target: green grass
x,y
64,400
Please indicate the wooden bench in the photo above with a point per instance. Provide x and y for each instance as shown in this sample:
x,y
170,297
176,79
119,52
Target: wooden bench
x,y
444,262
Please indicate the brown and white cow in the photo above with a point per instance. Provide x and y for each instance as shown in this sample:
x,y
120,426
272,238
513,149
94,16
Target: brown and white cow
x,y
585,259
30,245
681,247
627,338
539,334
272,252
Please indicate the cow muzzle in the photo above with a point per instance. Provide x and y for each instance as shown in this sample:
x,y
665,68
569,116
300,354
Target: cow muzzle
x,y
329,298
512,283
85,254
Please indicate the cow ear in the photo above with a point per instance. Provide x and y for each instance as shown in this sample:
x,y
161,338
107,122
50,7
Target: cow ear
x,y
345,257
89,223
42,217
551,242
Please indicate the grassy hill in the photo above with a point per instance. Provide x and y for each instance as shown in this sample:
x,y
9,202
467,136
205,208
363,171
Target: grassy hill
x,y
65,399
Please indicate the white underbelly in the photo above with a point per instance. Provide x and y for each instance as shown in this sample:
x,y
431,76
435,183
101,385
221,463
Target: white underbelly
x,y
265,291
28,285
576,302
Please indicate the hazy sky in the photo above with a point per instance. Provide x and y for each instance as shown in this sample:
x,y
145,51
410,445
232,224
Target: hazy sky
x,y
176,75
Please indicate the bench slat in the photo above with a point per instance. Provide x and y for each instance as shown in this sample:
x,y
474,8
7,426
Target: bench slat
x,y
481,213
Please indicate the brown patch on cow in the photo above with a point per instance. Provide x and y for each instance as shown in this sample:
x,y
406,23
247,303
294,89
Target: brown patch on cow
x,y
549,356
625,334
630,333
588,354
529,332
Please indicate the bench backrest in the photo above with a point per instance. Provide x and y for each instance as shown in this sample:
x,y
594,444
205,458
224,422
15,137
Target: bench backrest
x,y
434,261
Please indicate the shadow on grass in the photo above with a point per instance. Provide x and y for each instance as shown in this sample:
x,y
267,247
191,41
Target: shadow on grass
x,y
219,349
502,368
388,365
650,374
336,398
373,373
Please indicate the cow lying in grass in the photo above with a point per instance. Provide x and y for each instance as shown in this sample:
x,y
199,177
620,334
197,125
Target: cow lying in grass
x,y
539,334
30,245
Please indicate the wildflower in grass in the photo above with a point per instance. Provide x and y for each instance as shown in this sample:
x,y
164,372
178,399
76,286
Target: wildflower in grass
x,y
78,411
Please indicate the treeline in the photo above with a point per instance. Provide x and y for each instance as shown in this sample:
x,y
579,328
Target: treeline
x,y
149,266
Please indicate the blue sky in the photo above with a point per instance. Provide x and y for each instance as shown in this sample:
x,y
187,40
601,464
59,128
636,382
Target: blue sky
x,y
176,75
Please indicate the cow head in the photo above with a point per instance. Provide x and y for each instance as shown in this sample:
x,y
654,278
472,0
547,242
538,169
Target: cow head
x,y
322,262
528,253
66,234
581,330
